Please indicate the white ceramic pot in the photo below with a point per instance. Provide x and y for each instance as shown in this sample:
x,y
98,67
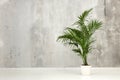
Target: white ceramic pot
x,y
85,70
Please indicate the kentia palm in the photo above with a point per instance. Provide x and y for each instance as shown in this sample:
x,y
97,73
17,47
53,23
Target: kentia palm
x,y
80,37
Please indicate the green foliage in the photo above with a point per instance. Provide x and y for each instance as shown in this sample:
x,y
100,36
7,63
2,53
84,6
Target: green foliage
x,y
80,38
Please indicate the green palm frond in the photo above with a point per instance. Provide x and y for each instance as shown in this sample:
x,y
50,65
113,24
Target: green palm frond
x,y
81,37
93,25
82,17
79,51
65,37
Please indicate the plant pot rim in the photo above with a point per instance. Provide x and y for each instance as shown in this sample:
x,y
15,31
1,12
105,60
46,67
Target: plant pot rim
x,y
86,65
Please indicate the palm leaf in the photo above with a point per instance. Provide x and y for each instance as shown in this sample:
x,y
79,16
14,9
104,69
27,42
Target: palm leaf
x,y
81,37
77,51
82,17
93,25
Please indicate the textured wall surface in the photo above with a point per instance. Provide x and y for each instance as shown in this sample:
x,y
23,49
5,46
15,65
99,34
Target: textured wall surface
x,y
29,29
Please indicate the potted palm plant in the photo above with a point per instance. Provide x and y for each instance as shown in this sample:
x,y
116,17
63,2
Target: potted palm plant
x,y
79,36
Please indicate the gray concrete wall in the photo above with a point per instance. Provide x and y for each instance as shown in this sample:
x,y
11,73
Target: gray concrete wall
x,y
29,29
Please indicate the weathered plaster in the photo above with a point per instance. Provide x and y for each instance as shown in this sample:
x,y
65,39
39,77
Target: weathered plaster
x,y
29,29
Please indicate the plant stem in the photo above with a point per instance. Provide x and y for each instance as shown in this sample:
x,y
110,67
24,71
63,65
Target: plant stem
x,y
85,60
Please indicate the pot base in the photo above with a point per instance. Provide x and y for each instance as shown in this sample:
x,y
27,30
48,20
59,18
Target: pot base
x,y
85,70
